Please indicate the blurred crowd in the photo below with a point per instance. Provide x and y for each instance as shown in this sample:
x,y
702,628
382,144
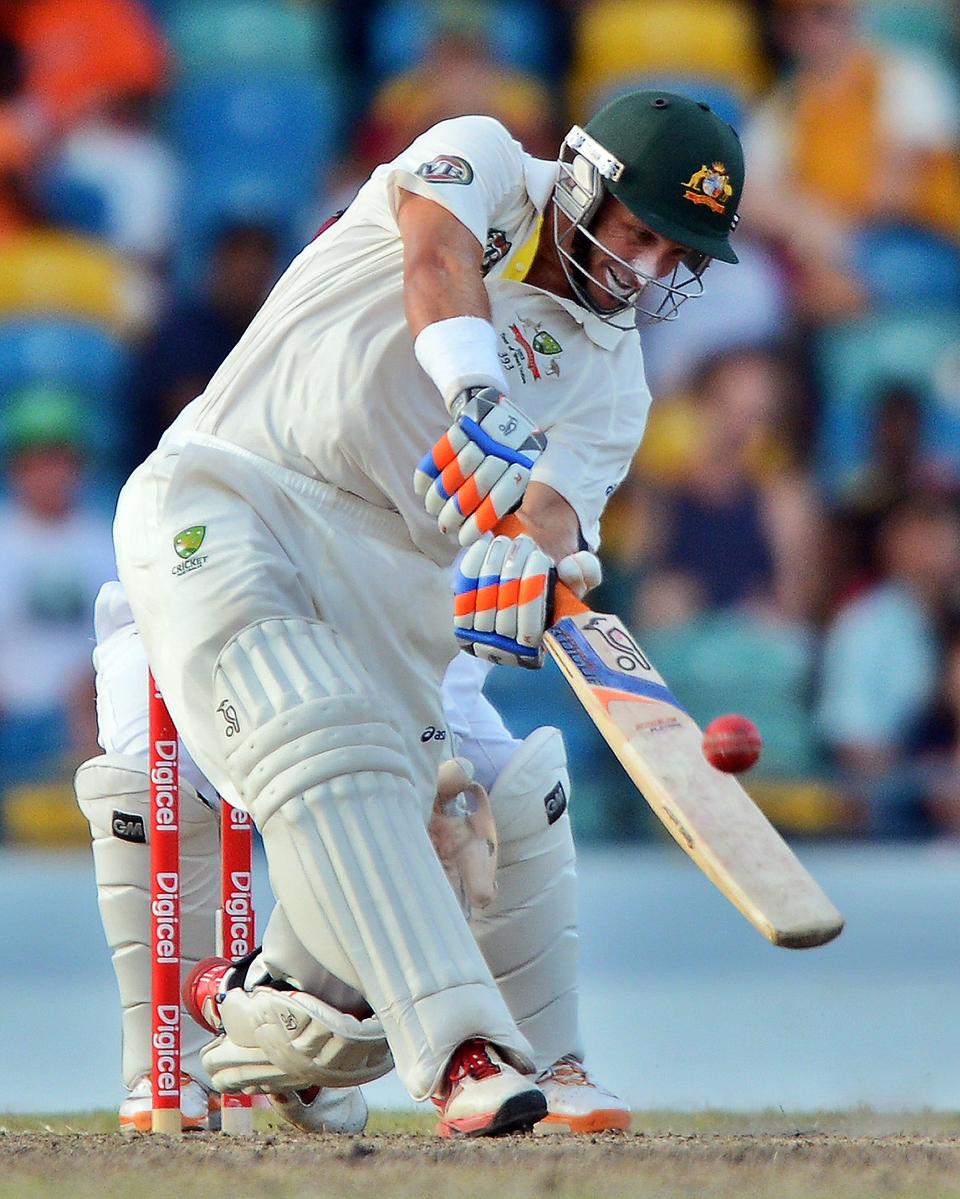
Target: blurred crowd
x,y
788,543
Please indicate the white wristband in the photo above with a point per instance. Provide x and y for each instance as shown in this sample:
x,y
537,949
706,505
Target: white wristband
x,y
460,352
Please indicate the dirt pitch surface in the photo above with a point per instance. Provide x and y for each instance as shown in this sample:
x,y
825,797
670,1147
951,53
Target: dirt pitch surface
x,y
855,1155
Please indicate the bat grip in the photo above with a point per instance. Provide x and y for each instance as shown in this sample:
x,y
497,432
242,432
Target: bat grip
x,y
565,603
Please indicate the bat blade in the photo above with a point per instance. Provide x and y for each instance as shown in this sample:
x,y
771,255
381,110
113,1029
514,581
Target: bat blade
x,y
707,812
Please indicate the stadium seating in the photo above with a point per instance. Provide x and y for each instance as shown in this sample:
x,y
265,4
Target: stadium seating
x,y
768,665
28,744
617,40
51,272
927,25
853,361
903,266
72,203
253,148
81,356
519,32
231,37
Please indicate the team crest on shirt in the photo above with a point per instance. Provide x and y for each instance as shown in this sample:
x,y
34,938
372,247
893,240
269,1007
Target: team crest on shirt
x,y
546,343
446,168
530,350
186,543
497,248
711,186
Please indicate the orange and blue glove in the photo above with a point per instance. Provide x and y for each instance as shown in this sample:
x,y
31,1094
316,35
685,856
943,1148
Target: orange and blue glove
x,y
479,469
502,601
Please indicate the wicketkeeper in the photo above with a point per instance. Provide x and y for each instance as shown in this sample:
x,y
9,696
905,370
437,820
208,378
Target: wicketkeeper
x,y
286,551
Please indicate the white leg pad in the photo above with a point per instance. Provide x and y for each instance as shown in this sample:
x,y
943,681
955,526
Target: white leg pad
x,y
283,957
113,793
529,933
327,781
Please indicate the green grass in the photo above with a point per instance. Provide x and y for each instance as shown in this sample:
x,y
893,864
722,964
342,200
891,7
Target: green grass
x,y
855,1122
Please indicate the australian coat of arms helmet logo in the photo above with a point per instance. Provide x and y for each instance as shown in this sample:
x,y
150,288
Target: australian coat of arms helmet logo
x,y
710,185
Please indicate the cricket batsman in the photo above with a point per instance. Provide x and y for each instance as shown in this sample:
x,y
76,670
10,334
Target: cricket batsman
x,y
286,553
528,933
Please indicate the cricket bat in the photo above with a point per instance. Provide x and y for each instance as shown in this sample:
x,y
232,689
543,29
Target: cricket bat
x,y
707,812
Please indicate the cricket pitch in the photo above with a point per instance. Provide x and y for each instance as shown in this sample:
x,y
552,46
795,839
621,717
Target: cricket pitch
x,y
667,1155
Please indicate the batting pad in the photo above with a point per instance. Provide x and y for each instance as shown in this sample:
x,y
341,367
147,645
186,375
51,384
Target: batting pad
x,y
528,935
113,792
327,781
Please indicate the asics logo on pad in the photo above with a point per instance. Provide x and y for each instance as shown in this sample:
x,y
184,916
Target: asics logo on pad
x,y
555,803
432,733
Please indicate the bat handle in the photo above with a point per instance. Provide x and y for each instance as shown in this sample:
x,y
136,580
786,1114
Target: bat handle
x,y
565,603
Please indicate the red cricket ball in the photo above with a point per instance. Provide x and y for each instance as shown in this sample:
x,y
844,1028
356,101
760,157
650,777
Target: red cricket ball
x,y
732,743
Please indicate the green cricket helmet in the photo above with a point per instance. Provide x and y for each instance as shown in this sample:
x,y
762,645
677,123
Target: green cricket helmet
x,y
675,165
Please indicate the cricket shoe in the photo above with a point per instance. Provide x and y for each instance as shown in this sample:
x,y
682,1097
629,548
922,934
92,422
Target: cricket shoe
x,y
199,1108
323,1109
578,1104
483,1096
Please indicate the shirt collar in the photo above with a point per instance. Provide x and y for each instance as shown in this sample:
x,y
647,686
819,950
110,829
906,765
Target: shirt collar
x,y
540,177
600,332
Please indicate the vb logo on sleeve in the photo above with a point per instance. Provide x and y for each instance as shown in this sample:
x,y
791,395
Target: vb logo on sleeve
x,y
446,168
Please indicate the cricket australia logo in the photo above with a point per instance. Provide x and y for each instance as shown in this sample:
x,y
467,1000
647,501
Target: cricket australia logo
x,y
526,342
185,544
446,168
546,343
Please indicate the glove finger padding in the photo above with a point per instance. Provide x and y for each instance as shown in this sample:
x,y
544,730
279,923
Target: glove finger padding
x,y
305,1041
503,598
479,469
501,500
441,455
453,477
475,489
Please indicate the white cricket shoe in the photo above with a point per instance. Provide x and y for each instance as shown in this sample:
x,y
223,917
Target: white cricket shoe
x,y
199,1108
578,1104
323,1109
483,1096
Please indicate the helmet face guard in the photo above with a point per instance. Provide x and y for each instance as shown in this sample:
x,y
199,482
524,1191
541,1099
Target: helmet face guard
x,y
579,192
675,166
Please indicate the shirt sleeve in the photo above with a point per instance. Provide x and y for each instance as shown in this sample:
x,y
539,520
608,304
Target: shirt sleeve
x,y
469,165
588,457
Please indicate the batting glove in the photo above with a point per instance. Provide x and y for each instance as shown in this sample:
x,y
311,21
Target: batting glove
x,y
502,601
479,469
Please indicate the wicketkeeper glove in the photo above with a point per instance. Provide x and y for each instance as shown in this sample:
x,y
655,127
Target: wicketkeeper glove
x,y
479,469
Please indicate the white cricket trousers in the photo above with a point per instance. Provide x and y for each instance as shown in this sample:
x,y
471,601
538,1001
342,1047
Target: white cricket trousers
x,y
238,570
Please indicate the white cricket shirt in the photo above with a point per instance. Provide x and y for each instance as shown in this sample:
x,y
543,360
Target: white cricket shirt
x,y
325,382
